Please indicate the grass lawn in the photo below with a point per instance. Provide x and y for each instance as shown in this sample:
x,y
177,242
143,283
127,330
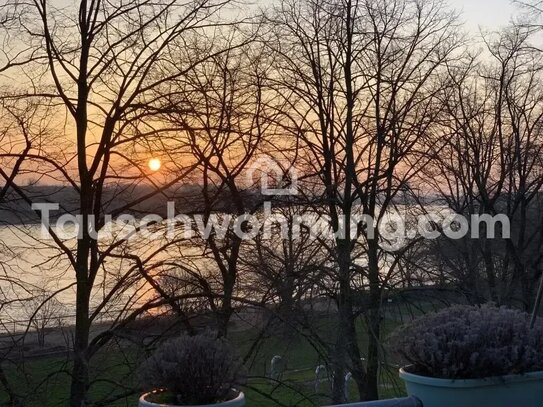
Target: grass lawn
x,y
45,382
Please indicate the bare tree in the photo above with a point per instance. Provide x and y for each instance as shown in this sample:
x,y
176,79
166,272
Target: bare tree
x,y
98,65
286,266
361,78
489,164
224,128
44,313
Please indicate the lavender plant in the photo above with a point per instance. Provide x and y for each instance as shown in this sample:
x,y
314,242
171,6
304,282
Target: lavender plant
x,y
195,370
465,342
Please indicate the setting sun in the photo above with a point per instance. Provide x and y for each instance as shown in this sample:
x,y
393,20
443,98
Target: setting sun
x,y
154,164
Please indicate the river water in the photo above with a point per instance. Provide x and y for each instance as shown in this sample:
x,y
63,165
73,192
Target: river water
x,y
32,267
31,264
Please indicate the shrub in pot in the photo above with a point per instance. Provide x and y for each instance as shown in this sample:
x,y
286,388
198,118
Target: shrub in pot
x,y
198,370
473,356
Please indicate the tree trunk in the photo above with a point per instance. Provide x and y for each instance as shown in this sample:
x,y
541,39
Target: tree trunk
x,y
373,322
80,374
339,360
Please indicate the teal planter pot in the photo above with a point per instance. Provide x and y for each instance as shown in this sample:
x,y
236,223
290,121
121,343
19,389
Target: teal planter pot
x,y
503,391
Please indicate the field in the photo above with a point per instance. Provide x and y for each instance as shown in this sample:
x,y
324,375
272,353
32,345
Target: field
x,y
45,381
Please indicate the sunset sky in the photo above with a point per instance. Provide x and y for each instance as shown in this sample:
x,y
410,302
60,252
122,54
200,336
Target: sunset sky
x,y
487,14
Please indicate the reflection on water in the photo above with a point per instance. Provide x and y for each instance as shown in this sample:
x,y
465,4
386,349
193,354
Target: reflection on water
x,y
31,265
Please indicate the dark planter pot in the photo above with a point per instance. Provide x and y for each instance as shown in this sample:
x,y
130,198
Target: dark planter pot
x,y
239,401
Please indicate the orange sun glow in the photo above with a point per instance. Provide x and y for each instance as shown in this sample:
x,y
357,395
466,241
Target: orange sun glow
x,y
154,164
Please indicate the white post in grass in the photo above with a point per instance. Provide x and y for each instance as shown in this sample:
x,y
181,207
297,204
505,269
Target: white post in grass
x,y
347,389
274,367
320,371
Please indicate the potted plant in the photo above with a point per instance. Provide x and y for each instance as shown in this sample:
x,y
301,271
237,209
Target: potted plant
x,y
198,370
473,357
